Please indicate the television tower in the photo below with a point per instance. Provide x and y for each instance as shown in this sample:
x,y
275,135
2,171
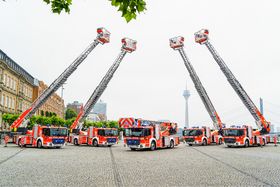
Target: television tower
x,y
186,95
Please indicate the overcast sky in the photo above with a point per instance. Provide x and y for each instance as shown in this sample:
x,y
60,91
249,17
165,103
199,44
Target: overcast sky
x,y
149,82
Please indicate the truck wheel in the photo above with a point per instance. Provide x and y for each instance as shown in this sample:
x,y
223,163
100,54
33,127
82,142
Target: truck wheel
x,y
39,144
171,144
109,145
229,145
190,144
204,142
95,143
153,146
263,142
220,141
19,142
246,143
133,149
76,141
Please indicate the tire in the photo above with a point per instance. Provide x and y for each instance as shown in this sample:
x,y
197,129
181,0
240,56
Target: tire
x,y
246,143
220,141
19,142
76,141
204,142
95,143
190,144
153,146
133,149
229,146
263,142
39,144
109,145
172,144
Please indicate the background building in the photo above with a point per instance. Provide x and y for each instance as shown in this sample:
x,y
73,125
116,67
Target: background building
x,y
16,87
54,104
75,106
99,112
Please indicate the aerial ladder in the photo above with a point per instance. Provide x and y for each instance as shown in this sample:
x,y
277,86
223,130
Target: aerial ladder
x,y
202,37
103,36
128,46
177,43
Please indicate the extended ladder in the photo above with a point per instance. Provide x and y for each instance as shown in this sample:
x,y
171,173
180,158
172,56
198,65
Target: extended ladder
x,y
103,36
128,45
177,43
201,37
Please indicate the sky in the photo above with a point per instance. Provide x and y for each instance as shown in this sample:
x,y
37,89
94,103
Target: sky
x,y
150,81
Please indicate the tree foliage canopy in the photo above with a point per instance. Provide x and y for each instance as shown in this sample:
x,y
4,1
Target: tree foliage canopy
x,y
70,113
54,120
128,8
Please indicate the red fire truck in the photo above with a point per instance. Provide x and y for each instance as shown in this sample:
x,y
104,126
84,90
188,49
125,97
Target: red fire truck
x,y
196,135
245,135
95,137
42,136
143,134
201,136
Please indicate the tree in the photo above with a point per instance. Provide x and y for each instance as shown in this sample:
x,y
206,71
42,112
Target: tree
x,y
70,113
128,8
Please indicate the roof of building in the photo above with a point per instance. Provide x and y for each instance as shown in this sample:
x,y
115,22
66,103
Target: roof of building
x,y
17,68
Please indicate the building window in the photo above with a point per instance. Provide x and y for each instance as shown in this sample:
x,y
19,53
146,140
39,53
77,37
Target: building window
x,y
2,99
8,81
10,104
7,101
4,79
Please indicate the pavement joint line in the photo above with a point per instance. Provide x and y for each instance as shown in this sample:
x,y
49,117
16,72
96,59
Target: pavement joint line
x,y
231,166
117,177
5,160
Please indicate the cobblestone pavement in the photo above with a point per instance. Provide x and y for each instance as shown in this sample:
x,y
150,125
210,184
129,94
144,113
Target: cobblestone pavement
x,y
119,166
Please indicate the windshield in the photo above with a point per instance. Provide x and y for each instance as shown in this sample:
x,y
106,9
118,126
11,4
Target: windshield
x,y
107,132
55,131
233,132
58,132
195,132
138,132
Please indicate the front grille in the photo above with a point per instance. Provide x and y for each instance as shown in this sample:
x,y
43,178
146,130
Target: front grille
x,y
111,140
133,142
189,139
229,140
58,141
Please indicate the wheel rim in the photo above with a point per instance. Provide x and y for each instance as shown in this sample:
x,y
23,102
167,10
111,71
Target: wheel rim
x,y
153,146
172,144
39,144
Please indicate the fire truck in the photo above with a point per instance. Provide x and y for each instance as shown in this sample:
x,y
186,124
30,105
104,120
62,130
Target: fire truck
x,y
146,134
199,135
238,135
99,136
43,136
48,136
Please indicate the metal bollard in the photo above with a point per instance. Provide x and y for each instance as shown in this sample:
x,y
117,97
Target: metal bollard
x,y
275,140
261,141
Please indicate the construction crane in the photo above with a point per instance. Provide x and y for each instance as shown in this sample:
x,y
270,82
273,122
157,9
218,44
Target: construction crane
x,y
103,36
128,46
202,37
177,43
99,136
